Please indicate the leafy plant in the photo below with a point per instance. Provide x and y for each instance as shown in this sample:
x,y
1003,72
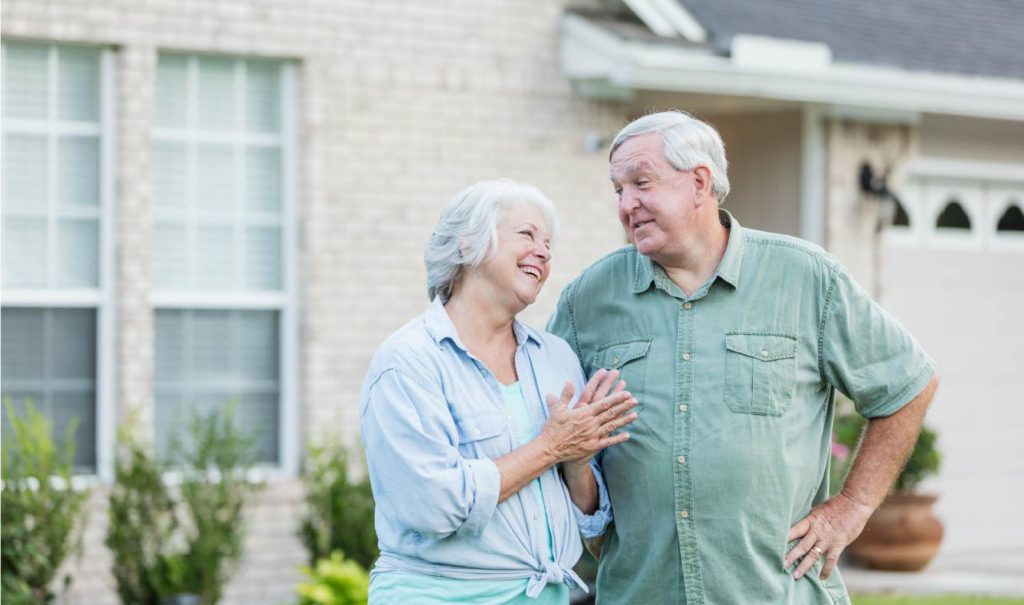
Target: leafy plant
x,y
185,540
924,460
339,511
923,463
42,514
335,581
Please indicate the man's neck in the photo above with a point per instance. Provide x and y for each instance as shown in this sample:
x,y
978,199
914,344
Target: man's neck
x,y
694,267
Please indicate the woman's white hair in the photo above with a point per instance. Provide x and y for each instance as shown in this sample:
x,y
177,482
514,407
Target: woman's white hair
x,y
686,142
467,232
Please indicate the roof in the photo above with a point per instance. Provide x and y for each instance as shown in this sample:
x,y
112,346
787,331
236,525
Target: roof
x,y
978,38
981,37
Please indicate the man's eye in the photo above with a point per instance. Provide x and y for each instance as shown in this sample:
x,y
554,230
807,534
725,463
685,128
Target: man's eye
x,y
642,183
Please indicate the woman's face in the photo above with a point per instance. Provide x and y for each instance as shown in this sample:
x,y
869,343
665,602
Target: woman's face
x,y
521,262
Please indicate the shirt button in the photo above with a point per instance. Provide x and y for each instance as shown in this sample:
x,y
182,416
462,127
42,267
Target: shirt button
x,y
615,361
764,353
682,407
687,305
681,459
686,357
684,514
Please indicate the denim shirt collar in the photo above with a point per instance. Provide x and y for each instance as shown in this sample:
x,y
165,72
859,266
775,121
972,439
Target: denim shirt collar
x,y
440,327
728,269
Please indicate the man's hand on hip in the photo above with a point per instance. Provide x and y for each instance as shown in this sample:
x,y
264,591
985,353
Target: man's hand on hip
x,y
825,532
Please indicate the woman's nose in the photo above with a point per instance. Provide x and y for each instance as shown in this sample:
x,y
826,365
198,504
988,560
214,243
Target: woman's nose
x,y
542,252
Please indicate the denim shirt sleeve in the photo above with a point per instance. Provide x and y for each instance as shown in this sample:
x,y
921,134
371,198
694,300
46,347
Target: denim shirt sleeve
x,y
593,525
866,353
412,439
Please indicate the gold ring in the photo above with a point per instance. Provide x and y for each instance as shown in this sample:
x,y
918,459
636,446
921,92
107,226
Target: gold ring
x,y
817,550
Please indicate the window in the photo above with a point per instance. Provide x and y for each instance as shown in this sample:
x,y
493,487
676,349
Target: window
x,y
220,244
1012,220
953,216
57,337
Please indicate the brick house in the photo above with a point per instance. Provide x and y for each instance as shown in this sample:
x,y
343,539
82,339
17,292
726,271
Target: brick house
x,y
207,200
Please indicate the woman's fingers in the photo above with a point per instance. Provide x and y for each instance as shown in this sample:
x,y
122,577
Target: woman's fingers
x,y
615,439
556,405
606,383
618,422
588,391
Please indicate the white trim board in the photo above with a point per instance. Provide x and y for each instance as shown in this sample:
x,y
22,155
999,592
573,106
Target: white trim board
x,y
606,66
966,169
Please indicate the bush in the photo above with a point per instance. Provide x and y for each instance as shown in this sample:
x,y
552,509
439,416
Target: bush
x,y
335,581
339,512
186,540
42,515
924,460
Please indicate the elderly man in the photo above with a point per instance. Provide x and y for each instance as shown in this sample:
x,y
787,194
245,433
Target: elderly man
x,y
734,341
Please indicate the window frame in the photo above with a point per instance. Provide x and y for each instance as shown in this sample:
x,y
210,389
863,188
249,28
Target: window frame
x,y
1000,197
285,300
102,298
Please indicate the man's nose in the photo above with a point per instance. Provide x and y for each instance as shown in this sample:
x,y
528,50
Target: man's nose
x,y
628,201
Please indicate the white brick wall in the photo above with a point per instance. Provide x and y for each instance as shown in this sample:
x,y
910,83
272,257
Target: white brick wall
x,y
401,104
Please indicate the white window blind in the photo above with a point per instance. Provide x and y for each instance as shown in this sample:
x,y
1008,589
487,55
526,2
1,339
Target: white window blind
x,y
54,290
218,245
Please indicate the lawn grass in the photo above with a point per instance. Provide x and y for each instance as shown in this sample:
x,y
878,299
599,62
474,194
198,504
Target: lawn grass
x,y
947,600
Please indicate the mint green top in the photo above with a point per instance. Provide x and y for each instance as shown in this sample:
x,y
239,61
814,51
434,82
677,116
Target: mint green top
x,y
422,589
527,430
736,386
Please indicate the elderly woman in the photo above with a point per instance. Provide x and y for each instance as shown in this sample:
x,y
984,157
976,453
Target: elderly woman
x,y
464,454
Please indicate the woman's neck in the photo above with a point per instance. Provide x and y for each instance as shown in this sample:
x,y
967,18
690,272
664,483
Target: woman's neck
x,y
486,330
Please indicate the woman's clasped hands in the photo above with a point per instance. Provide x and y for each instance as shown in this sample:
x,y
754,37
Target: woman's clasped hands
x,y
574,435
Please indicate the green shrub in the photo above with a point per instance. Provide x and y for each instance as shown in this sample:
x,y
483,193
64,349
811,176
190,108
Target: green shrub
x,y
187,539
42,514
924,460
335,581
339,512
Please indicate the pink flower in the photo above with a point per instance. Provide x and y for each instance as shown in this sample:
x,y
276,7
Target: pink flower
x,y
840,451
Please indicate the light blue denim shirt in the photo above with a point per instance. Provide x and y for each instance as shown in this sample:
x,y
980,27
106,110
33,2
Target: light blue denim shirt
x,y
433,420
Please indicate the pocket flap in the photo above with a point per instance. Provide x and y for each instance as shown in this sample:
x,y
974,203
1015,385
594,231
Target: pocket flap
x,y
614,356
485,426
759,345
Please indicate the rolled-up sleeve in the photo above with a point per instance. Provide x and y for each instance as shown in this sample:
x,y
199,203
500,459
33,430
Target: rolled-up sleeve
x,y
417,472
866,353
594,525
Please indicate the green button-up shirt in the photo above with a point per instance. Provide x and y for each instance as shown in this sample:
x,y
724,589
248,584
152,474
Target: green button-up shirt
x,y
736,387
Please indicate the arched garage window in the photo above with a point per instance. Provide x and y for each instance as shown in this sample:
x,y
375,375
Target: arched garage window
x,y
953,216
1012,220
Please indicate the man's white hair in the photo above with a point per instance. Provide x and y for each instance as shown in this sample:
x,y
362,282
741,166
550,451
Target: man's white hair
x,y
467,232
686,142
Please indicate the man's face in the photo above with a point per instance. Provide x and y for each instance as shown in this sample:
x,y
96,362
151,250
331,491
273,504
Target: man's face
x,y
655,200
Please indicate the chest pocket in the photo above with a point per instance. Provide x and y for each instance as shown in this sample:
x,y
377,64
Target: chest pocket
x,y
630,358
760,372
484,436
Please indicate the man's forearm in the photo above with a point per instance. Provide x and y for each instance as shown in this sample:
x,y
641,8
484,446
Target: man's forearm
x,y
886,445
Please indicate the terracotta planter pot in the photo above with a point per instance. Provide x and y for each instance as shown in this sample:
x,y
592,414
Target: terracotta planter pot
x,y
902,535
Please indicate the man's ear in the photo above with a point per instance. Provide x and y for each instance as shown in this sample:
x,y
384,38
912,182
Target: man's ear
x,y
702,182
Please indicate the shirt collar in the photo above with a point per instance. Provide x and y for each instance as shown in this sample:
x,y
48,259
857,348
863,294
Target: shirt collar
x,y
440,327
728,268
